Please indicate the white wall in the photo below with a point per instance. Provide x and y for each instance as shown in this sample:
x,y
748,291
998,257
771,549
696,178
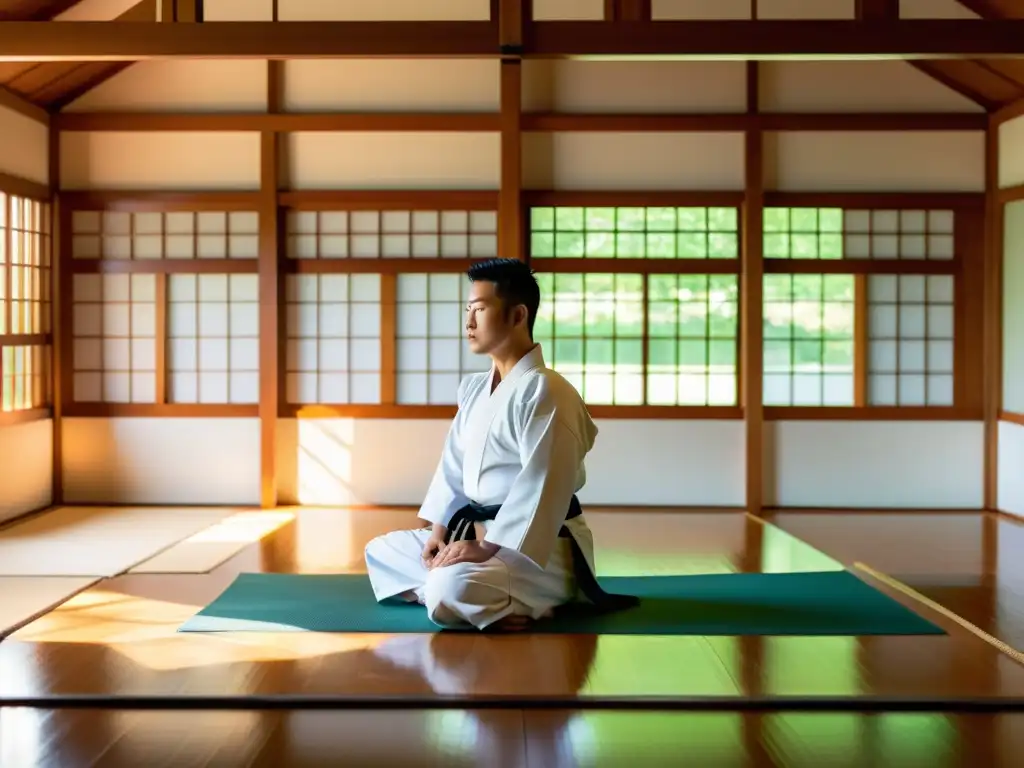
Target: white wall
x,y
876,464
1013,307
25,149
676,462
1011,435
1010,493
26,468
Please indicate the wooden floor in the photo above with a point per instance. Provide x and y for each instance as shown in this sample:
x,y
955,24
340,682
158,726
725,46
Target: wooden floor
x,y
119,639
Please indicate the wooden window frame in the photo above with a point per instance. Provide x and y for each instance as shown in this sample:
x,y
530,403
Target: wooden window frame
x,y
967,267
17,189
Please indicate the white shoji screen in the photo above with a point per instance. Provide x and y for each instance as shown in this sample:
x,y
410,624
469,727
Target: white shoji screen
x,y
334,339
809,339
213,338
114,326
172,235
392,234
26,377
834,233
910,333
432,355
25,278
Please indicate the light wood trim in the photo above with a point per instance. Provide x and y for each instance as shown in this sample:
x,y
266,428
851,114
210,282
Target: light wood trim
x,y
388,338
511,218
861,340
532,122
163,266
869,200
394,411
157,410
25,339
1012,417
389,200
628,198
10,418
872,413
969,310
16,185
557,266
1011,194
161,338
544,122
861,267
270,301
60,337
335,122
752,314
992,363
141,201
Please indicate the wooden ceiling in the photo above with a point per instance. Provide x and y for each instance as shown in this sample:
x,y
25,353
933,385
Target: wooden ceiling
x,y
992,83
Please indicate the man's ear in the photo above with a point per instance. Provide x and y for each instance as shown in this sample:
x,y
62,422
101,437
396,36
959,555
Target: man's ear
x,y
521,314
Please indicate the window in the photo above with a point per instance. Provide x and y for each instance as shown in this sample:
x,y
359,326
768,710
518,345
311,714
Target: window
x,y
808,339
333,351
359,234
835,233
213,353
157,235
634,233
911,340
651,315
114,330
868,279
165,305
432,355
25,303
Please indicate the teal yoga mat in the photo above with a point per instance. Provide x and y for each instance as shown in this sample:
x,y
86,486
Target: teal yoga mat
x,y
828,603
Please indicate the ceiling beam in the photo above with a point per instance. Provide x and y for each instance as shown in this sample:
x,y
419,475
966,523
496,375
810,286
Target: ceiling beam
x,y
23,106
529,121
764,39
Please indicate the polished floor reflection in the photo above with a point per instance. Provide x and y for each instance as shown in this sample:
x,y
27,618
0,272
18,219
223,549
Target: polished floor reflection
x,y
120,638
969,563
504,738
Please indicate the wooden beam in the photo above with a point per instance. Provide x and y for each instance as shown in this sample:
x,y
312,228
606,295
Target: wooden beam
x,y
780,39
538,122
60,347
768,39
118,40
992,362
23,106
511,214
271,292
462,122
751,347
877,10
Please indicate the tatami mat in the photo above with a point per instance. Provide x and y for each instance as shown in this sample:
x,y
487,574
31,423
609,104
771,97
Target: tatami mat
x,y
216,545
98,541
23,598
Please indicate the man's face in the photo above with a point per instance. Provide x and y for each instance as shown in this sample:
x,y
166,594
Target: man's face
x,y
487,327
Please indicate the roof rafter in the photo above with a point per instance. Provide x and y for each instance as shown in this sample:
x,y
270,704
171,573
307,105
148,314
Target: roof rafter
x,y
763,39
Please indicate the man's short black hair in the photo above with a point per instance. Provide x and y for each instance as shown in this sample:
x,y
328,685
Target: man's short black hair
x,y
514,284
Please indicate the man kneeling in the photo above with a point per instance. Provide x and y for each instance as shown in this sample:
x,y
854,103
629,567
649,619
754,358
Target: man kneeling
x,y
508,541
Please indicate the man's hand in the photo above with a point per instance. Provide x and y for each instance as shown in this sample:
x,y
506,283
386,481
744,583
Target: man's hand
x,y
435,544
465,552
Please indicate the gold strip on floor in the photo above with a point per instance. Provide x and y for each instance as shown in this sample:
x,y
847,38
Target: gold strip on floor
x,y
974,629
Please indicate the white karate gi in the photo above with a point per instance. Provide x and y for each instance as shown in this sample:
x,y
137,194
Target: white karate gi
x,y
521,447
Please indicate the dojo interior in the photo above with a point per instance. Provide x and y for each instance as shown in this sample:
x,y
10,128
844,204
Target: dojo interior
x,y
231,306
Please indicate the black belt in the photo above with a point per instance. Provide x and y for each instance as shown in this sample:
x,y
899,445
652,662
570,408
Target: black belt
x,y
462,528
